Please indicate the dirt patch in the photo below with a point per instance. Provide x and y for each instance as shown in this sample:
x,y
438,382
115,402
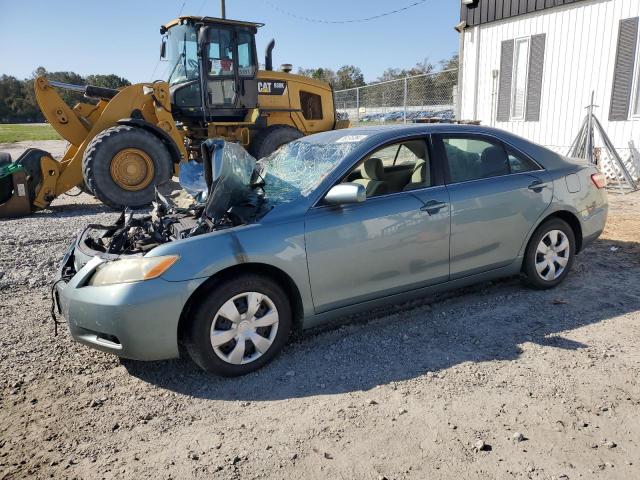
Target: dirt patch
x,y
54,147
495,381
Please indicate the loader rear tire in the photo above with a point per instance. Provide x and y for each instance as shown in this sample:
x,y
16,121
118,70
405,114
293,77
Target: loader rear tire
x,y
122,166
5,158
271,138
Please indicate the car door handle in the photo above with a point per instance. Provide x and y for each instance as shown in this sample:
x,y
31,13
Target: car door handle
x,y
537,185
432,207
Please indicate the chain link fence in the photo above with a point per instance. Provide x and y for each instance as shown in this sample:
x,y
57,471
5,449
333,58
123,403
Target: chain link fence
x,y
430,96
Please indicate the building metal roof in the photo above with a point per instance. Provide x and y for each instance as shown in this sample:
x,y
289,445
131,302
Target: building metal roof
x,y
485,11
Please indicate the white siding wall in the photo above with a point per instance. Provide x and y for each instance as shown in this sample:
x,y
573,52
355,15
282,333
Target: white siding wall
x,y
579,57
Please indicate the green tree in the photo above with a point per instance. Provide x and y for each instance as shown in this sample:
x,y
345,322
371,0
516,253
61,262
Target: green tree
x,y
322,74
18,101
107,81
419,68
349,76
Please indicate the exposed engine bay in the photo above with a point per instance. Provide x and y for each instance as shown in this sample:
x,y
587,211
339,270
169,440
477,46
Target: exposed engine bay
x,y
227,191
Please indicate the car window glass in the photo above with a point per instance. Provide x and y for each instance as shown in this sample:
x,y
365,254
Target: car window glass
x,y
472,159
394,168
519,163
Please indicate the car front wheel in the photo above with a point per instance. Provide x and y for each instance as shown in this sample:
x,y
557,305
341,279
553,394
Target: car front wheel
x,y
549,255
239,325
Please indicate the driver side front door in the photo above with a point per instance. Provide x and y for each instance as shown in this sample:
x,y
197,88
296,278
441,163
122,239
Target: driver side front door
x,y
387,244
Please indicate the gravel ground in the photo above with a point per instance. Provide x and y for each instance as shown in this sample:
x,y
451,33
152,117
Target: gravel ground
x,y
494,381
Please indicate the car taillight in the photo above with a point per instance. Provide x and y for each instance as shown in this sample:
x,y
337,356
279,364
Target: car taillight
x,y
598,180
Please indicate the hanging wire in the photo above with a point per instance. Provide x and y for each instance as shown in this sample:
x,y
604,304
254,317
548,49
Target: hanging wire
x,y
201,6
153,74
355,20
182,8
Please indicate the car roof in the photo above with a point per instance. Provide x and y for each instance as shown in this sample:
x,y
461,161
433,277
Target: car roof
x,y
389,132
423,128
376,134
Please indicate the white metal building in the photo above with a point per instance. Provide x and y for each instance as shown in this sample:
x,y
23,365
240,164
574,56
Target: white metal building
x,y
529,66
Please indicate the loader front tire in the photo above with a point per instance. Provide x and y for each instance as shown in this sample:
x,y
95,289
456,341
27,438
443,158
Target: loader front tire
x,y
122,165
271,138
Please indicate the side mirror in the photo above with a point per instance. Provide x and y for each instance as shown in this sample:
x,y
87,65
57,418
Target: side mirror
x,y
163,49
344,193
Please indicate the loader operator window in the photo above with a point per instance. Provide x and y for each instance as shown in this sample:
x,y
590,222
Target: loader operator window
x,y
182,54
220,61
221,82
246,66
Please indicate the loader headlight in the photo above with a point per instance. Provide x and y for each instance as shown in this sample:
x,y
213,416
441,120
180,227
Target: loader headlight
x,y
131,270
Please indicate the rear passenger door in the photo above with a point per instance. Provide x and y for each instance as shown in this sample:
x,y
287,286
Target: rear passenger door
x,y
496,195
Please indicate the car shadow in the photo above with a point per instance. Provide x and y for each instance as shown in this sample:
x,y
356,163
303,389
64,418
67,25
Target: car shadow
x,y
485,322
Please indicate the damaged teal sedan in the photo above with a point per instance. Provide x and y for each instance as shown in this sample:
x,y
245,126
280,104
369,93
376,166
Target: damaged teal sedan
x,y
328,225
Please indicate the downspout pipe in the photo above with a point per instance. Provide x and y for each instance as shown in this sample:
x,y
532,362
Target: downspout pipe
x,y
460,74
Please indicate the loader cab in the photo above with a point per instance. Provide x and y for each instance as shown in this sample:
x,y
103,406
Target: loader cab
x,y
212,68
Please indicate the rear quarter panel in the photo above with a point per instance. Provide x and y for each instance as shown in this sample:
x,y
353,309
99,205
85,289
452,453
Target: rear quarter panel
x,y
574,192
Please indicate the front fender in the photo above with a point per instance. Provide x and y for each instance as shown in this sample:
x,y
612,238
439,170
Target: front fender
x,y
279,245
200,257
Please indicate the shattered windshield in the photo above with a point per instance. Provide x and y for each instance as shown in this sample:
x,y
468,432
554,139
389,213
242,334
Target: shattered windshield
x,y
238,181
296,169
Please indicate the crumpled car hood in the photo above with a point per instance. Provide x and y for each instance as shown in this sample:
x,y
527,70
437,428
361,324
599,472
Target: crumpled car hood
x,y
231,200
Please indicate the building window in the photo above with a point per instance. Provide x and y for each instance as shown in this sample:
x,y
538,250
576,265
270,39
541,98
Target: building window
x,y
520,72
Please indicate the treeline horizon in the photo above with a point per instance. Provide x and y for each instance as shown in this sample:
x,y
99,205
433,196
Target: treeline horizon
x,y
18,102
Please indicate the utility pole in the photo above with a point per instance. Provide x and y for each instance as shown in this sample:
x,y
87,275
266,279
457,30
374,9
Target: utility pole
x,y
223,8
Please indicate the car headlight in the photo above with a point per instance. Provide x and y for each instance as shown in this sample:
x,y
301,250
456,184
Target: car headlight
x,y
131,270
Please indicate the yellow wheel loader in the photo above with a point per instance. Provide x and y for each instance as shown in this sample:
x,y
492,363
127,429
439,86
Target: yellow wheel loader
x,y
133,139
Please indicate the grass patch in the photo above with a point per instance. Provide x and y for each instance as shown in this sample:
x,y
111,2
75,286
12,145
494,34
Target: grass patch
x,y
10,133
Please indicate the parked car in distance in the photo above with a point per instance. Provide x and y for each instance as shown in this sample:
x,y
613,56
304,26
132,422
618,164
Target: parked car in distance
x,y
328,225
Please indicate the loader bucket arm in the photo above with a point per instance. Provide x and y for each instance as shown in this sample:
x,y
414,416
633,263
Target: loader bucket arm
x,y
59,115
148,106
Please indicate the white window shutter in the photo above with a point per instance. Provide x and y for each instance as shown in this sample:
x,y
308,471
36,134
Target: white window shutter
x,y
534,82
506,73
623,71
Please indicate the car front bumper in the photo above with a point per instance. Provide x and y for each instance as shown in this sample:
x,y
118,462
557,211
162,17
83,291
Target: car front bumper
x,y
136,320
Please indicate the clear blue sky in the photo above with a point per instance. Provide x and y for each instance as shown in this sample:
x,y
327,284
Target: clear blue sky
x,y
122,36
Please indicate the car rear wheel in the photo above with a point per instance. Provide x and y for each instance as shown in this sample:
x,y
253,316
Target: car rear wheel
x,y
549,255
239,326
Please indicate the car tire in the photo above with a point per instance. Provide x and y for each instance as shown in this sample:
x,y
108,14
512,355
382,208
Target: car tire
x,y
549,254
229,298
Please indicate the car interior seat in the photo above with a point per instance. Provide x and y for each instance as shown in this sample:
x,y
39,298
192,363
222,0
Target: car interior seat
x,y
372,172
421,176
493,162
